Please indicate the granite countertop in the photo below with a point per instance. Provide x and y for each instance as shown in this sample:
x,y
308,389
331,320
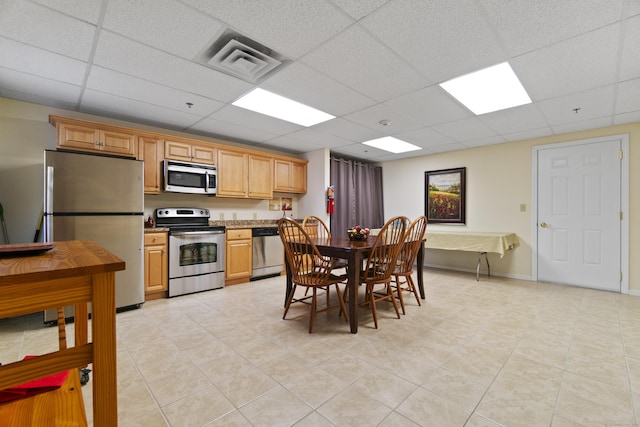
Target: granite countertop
x,y
231,224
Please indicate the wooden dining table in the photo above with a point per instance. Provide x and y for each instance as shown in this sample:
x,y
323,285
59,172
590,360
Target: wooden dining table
x,y
354,251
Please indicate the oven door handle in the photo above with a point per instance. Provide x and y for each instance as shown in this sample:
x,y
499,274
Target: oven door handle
x,y
192,233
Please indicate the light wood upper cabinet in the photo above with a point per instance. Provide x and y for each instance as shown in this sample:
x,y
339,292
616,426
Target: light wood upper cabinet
x,y
290,176
151,151
189,152
260,177
86,137
232,174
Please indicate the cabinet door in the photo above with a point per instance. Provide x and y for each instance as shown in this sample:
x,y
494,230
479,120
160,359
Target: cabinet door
x,y
232,174
177,151
238,259
117,142
81,137
204,155
290,177
156,270
282,175
260,177
151,150
298,177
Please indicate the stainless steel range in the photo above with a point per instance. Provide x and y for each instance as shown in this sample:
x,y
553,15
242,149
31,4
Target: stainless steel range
x,y
196,250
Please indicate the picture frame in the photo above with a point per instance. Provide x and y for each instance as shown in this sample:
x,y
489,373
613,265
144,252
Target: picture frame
x,y
445,196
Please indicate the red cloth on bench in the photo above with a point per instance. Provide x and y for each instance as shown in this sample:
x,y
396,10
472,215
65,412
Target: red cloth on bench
x,y
31,388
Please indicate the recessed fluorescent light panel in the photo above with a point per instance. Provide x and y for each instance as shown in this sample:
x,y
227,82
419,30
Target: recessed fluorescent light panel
x,y
391,144
270,104
491,89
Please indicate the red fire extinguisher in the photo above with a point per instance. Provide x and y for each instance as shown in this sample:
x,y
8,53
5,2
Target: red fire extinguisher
x,y
331,201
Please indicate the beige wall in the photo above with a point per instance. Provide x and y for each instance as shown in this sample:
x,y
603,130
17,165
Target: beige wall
x,y
498,182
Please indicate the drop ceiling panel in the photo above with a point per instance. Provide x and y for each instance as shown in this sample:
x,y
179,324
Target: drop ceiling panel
x,y
528,134
455,146
627,96
361,8
593,104
240,133
99,103
515,119
347,130
481,142
86,10
291,28
359,61
292,145
585,125
630,59
321,139
38,26
39,62
465,130
370,117
38,86
164,24
425,137
581,63
620,119
303,84
249,119
363,61
429,106
123,85
360,151
120,54
526,25
442,38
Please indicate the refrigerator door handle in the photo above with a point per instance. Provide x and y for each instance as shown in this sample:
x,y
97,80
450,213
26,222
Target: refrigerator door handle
x,y
48,205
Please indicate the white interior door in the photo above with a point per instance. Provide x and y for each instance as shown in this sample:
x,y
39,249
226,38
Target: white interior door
x,y
579,225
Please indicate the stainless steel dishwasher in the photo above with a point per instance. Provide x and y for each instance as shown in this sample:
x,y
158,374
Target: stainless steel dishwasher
x,y
268,253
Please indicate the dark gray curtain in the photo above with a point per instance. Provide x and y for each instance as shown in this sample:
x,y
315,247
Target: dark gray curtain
x,y
358,195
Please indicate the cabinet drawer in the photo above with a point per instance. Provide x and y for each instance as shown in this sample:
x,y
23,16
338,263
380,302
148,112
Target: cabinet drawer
x,y
244,233
155,238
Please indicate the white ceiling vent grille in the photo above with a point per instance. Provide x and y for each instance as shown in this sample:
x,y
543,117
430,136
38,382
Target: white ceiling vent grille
x,y
242,58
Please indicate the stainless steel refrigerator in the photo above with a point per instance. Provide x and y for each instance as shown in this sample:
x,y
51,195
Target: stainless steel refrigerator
x,y
99,198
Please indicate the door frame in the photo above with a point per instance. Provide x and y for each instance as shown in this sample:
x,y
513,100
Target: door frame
x,y
624,202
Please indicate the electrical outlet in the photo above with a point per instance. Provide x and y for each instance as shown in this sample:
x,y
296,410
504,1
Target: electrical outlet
x,y
255,215
221,216
523,207
235,216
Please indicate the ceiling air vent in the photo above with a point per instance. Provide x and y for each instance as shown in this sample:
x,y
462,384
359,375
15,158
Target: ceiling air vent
x,y
242,58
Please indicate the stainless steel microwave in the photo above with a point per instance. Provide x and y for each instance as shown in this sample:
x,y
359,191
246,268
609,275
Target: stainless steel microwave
x,y
182,177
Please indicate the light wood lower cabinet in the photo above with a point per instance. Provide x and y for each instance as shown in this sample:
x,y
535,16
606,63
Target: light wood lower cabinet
x,y
238,256
156,272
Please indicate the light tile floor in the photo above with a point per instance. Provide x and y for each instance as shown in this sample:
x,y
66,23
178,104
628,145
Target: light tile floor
x,y
499,352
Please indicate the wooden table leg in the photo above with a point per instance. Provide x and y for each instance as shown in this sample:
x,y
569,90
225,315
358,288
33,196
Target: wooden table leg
x,y
103,327
353,277
420,269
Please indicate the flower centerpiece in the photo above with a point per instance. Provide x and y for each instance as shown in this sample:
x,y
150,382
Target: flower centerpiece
x,y
358,233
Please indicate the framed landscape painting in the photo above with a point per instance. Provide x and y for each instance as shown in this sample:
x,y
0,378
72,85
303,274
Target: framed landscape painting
x,y
445,196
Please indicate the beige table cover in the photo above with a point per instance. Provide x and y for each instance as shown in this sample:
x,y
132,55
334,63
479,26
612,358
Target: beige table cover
x,y
497,242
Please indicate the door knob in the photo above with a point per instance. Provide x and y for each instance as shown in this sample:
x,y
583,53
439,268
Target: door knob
x,y
545,225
